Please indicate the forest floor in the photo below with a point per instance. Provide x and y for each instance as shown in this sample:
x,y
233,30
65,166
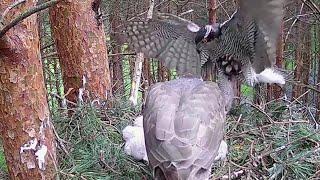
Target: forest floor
x,y
276,141
271,142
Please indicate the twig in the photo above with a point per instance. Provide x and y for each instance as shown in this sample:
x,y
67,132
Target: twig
x,y
160,3
265,126
311,5
297,99
123,54
5,12
313,88
284,146
293,23
220,4
104,164
63,98
262,111
238,121
239,166
60,141
234,175
186,12
26,14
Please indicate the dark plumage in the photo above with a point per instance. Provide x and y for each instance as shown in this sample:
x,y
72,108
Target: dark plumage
x,y
250,36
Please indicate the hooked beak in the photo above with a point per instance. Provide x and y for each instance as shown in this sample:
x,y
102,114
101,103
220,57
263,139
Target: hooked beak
x,y
208,33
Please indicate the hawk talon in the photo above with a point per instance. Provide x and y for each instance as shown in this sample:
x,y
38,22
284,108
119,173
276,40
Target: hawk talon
x,y
229,65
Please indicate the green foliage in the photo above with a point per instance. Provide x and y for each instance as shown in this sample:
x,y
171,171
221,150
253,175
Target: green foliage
x,y
268,144
264,144
247,90
92,145
3,166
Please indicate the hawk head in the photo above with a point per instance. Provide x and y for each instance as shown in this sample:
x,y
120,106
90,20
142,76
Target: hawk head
x,y
208,33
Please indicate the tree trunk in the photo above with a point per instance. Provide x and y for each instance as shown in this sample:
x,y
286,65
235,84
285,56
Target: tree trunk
x,y
303,60
117,69
81,46
274,91
209,70
318,78
163,72
147,76
25,122
212,11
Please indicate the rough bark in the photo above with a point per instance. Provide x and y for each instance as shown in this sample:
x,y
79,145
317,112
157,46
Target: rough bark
x,y
162,72
275,91
80,42
318,79
147,77
25,122
257,96
208,71
303,60
212,11
116,61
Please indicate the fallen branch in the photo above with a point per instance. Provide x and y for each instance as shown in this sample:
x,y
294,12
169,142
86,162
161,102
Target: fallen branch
x,y
26,14
234,175
123,54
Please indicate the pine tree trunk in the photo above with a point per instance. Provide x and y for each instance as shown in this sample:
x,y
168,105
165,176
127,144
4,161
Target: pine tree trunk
x,y
25,121
303,61
274,91
81,47
117,69
209,70
212,11
318,79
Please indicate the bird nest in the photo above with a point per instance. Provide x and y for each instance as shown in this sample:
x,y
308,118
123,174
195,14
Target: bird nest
x,y
269,143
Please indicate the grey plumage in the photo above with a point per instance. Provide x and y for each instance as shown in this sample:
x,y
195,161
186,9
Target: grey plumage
x,y
167,39
184,118
183,127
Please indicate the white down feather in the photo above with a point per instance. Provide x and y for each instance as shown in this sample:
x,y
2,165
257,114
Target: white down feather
x,y
268,75
135,144
134,137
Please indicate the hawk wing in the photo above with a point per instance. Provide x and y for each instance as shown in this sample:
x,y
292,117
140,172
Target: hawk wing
x,y
183,130
268,15
168,38
257,25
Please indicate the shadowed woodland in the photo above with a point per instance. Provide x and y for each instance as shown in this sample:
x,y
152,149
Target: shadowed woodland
x,y
68,80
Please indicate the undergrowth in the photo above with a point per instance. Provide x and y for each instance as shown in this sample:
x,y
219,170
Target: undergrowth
x,y
3,165
91,144
268,143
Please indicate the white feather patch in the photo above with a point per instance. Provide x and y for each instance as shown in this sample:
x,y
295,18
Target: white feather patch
x,y
134,137
193,27
222,152
270,76
41,155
